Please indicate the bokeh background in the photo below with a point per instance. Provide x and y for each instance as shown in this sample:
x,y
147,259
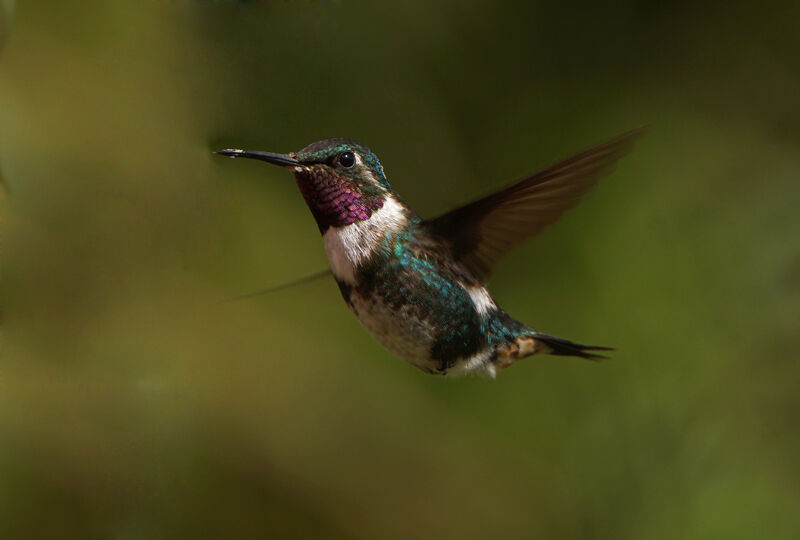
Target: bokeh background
x,y
135,403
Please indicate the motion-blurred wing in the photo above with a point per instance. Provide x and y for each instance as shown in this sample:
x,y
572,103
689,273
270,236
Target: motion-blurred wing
x,y
482,231
274,288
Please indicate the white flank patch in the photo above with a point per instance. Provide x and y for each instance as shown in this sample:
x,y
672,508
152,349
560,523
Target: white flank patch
x,y
481,299
477,364
349,246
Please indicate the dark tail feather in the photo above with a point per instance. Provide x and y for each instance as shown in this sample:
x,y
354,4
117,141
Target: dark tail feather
x,y
564,347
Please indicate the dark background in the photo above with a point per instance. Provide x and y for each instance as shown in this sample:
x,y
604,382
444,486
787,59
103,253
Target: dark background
x,y
133,404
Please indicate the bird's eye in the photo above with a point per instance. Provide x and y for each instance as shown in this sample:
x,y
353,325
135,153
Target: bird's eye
x,y
346,159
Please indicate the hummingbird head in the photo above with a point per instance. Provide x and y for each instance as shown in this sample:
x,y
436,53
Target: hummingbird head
x,y
341,180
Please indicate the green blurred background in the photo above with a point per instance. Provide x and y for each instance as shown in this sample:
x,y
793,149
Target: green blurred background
x,y
133,404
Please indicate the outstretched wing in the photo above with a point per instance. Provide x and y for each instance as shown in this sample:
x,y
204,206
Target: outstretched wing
x,y
481,232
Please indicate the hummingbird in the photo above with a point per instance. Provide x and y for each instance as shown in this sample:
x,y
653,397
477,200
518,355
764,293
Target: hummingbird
x,y
419,285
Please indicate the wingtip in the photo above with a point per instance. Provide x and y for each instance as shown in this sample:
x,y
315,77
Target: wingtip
x,y
633,133
626,138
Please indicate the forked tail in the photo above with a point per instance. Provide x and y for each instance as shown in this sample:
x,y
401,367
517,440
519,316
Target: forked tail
x,y
515,340
527,345
564,347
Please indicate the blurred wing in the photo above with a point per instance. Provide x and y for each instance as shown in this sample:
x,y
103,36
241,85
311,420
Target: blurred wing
x,y
482,231
299,281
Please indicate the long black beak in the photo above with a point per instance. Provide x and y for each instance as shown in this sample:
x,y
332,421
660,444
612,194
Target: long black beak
x,y
284,160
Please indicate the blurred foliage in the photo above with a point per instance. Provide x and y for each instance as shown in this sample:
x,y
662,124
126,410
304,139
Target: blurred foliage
x,y
6,10
133,404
